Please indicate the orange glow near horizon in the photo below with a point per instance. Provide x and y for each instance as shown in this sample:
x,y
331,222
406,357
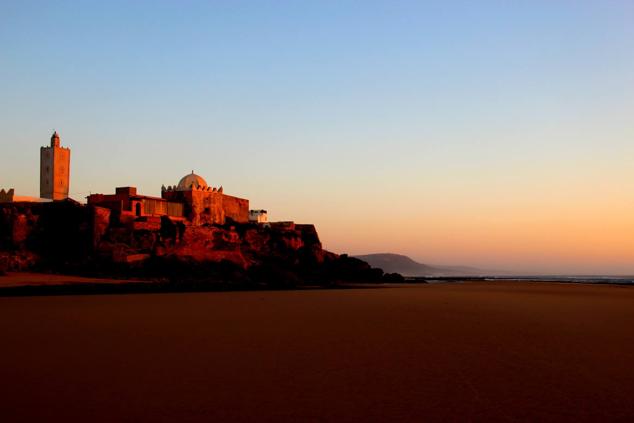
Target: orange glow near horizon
x,y
564,234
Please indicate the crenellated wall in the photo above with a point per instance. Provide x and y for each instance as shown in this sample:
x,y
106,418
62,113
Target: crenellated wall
x,y
7,196
210,205
236,208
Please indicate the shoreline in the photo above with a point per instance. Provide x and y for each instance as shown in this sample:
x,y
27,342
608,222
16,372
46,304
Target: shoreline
x,y
23,284
590,280
18,284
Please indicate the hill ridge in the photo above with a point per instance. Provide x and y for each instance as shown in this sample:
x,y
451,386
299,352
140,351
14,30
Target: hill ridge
x,y
406,266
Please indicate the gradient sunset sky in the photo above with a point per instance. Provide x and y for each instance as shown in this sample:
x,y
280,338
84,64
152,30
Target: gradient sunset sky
x,y
497,134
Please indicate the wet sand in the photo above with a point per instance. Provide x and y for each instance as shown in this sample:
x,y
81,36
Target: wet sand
x,y
25,279
448,352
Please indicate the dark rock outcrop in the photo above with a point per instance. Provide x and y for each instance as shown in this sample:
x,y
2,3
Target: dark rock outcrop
x,y
68,237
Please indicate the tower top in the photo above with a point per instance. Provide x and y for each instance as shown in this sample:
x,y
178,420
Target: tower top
x,y
55,139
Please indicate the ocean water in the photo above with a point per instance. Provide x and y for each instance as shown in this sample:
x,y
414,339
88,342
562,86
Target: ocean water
x,y
605,279
588,279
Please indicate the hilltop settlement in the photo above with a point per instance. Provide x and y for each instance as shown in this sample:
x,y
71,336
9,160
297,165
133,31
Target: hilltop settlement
x,y
193,234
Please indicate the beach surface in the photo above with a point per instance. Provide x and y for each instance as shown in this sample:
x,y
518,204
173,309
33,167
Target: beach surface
x,y
502,351
26,279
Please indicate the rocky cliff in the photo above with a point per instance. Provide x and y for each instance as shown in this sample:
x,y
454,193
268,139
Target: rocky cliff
x,y
68,237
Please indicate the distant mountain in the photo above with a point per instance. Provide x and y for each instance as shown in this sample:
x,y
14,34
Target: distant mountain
x,y
396,263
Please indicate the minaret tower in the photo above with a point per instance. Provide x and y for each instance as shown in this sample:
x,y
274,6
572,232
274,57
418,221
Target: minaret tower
x,y
54,170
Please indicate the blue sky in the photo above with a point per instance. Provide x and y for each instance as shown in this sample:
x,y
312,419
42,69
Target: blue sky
x,y
413,127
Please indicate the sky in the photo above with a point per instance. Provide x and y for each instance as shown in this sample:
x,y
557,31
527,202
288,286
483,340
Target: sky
x,y
495,134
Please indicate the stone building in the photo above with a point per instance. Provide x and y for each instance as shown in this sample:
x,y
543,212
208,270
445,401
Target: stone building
x,y
128,204
204,204
192,200
258,216
54,170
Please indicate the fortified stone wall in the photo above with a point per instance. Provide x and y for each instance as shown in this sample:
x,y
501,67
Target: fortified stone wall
x,y
236,208
210,207
206,207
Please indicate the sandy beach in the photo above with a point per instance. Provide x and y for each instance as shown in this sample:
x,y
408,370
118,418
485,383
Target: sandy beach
x,y
447,352
26,279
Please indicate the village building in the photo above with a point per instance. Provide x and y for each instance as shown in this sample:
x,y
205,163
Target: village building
x,y
258,216
192,200
127,203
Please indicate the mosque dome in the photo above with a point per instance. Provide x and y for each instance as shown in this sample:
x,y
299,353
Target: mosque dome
x,y
191,180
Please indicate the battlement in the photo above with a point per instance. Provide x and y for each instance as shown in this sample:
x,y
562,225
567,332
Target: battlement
x,y
174,188
48,147
7,196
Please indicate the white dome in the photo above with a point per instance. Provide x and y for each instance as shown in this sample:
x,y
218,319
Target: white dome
x,y
191,180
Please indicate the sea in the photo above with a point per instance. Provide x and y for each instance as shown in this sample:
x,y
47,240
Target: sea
x,y
586,279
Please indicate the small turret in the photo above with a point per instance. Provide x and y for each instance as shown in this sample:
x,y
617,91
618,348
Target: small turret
x,y
55,139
